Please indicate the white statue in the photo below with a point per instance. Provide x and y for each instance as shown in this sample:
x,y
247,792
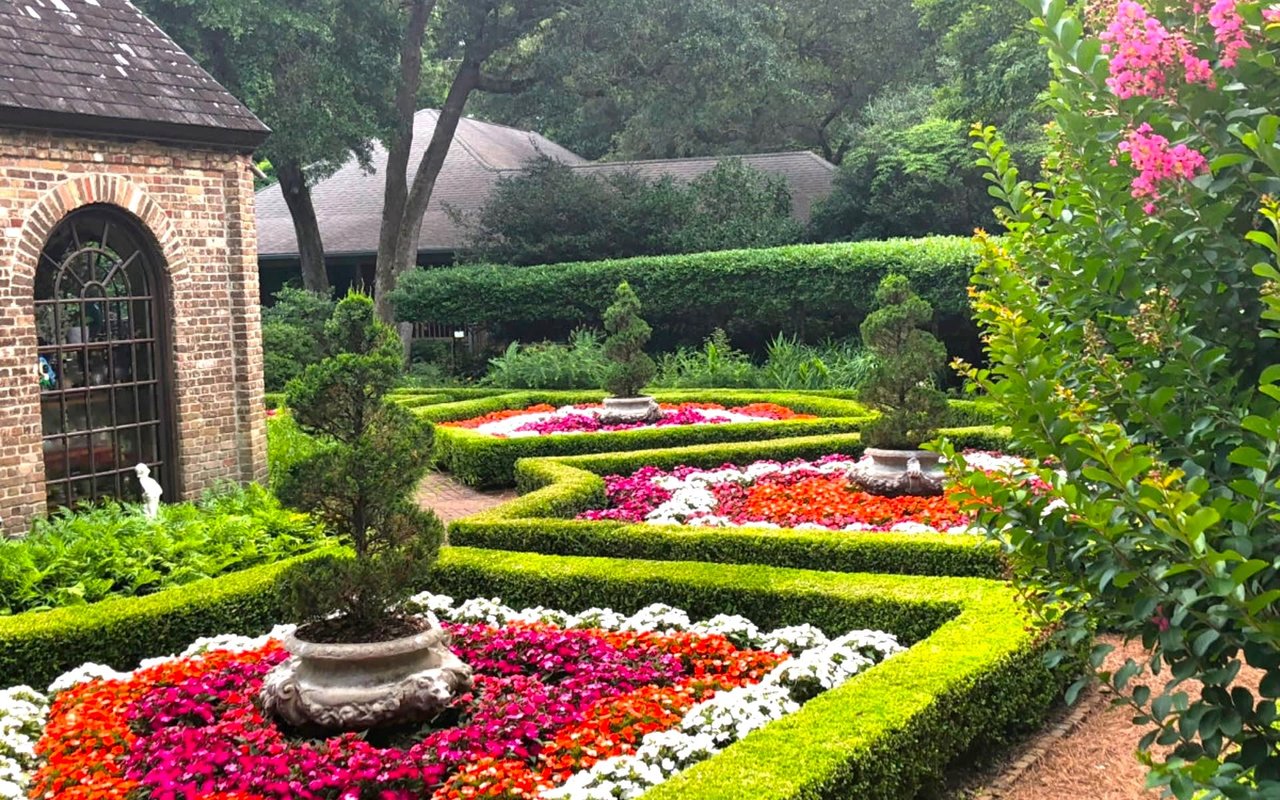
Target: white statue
x,y
151,491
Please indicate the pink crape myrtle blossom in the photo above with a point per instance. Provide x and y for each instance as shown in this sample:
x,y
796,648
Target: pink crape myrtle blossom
x,y
1228,30
1144,54
1271,14
1158,164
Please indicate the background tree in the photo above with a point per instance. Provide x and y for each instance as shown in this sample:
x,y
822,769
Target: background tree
x,y
908,182
485,42
655,79
317,73
551,213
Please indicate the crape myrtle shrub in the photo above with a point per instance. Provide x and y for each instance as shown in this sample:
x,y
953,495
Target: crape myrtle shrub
x,y
812,291
1131,316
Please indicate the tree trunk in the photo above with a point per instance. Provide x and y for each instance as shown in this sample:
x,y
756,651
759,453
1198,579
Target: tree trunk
x,y
297,195
395,192
405,248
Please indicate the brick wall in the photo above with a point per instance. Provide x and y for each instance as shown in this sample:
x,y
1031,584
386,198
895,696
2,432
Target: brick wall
x,y
198,204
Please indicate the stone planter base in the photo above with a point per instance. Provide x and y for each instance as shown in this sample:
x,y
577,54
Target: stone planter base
x,y
895,473
354,687
630,410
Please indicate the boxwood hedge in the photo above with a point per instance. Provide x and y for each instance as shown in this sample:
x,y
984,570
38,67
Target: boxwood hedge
x,y
38,646
815,291
556,489
974,679
478,459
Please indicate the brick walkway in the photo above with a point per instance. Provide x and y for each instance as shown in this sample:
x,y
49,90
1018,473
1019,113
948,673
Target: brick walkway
x,y
452,500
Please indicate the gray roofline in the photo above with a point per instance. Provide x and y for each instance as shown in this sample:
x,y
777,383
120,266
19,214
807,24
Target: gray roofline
x,y
239,139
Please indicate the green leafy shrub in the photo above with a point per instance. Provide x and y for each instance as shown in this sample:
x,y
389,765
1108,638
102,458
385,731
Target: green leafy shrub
x,y
902,382
790,364
1131,317
811,291
292,334
77,557
580,364
910,181
38,646
360,481
716,365
630,368
551,213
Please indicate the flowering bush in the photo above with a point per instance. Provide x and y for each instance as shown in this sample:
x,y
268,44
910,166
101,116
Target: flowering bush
x,y
808,495
550,702
1130,316
544,420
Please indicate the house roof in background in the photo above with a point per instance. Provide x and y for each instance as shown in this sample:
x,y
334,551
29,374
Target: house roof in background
x,y
349,203
101,67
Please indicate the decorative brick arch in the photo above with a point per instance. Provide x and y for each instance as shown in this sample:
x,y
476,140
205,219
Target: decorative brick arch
x,y
74,193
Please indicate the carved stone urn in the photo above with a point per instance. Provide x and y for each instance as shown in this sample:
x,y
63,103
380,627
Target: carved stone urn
x,y
626,410
895,473
353,687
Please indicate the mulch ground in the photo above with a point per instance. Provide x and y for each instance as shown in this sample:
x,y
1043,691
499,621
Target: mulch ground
x,y
1088,750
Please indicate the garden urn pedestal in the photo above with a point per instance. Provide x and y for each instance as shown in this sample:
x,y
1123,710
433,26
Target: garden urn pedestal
x,y
895,473
630,410
353,687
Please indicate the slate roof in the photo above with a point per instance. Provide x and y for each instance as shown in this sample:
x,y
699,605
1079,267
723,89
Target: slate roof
x,y
349,203
101,67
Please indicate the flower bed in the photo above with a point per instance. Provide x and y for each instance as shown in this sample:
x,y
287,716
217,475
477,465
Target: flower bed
x,y
799,494
546,420
595,703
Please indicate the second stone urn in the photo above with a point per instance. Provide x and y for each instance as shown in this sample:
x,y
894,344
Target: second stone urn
x,y
895,473
630,410
353,687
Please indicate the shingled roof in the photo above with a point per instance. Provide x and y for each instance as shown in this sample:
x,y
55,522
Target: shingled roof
x,y
349,202
101,67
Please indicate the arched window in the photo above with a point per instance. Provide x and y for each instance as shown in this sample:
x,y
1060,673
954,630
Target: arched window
x,y
104,362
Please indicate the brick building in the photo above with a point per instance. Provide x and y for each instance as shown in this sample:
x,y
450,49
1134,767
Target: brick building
x,y
129,318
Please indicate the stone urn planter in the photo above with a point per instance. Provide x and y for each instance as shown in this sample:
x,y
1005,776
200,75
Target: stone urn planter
x,y
352,687
628,410
895,473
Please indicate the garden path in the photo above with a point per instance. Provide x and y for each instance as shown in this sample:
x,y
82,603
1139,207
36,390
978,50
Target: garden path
x,y
452,500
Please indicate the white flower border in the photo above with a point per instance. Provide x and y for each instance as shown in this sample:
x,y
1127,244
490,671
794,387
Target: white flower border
x,y
818,663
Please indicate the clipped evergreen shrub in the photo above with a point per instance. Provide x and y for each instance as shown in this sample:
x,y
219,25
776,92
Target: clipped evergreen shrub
x,y
813,291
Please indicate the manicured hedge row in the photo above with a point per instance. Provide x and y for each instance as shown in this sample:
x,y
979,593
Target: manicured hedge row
x,y
556,489
974,680
481,460
816,291
38,646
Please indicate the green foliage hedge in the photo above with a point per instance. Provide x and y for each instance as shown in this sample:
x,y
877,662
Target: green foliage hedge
x,y
486,461
974,680
556,489
87,555
814,291
38,646
478,459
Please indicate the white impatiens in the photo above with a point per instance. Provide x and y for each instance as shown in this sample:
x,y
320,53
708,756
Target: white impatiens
x,y
816,663
22,714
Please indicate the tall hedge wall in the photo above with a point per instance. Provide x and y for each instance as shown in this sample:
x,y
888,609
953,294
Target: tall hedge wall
x,y
815,291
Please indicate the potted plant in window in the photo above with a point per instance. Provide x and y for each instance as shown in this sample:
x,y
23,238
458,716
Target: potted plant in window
x,y
903,388
630,368
357,661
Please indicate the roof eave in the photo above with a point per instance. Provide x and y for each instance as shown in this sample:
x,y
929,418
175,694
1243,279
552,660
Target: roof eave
x,y
238,139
